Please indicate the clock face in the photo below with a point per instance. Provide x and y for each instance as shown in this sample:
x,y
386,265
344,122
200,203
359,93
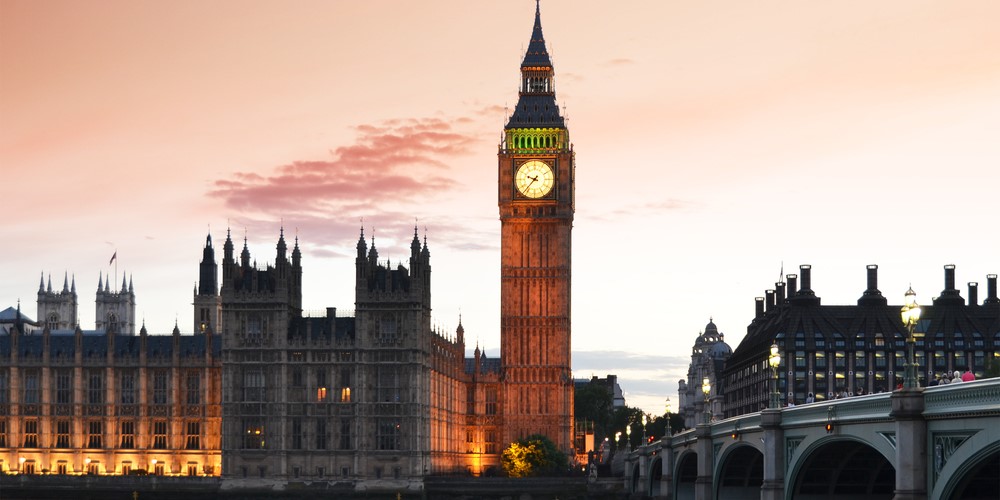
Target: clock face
x,y
534,179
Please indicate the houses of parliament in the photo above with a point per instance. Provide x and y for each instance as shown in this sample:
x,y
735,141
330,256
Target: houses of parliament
x,y
260,390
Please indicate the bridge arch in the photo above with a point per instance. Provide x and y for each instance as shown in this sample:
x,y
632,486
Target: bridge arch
x,y
973,478
685,475
842,468
740,473
654,476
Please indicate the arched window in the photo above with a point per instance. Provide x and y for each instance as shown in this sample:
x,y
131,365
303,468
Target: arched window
x,y
52,322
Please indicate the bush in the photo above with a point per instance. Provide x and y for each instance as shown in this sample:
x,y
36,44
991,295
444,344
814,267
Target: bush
x,y
535,455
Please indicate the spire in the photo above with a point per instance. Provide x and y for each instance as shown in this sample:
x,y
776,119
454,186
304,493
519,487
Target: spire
x,y
49,286
362,246
537,55
296,254
536,104
245,254
100,281
107,283
415,244
227,247
130,290
72,287
124,284
66,282
282,248
41,283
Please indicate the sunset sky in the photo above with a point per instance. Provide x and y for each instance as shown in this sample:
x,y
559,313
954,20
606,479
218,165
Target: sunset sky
x,y
716,142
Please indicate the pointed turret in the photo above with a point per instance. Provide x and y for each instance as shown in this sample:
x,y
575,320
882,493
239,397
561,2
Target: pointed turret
x,y
373,253
100,285
107,284
227,247
460,331
41,283
296,254
362,245
72,286
124,284
48,287
208,271
282,248
245,254
415,244
131,291
65,282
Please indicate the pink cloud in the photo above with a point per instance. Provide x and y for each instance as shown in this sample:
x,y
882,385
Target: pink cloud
x,y
391,166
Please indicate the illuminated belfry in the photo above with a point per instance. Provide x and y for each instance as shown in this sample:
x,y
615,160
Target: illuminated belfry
x,y
536,190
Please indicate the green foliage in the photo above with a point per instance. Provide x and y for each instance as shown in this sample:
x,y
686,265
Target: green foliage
x,y
535,455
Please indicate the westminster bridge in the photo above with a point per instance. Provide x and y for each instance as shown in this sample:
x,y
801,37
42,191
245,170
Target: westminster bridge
x,y
933,443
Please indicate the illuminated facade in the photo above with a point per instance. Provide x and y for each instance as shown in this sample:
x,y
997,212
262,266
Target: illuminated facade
x,y
536,190
93,402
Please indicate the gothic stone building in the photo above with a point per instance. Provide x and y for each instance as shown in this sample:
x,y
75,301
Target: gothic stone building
x,y
837,350
106,401
376,395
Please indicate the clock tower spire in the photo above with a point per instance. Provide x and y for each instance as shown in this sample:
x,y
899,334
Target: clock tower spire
x,y
536,200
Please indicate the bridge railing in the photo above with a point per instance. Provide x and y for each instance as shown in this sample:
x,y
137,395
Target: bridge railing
x,y
979,397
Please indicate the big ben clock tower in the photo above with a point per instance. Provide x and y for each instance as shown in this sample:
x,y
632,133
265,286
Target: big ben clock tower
x,y
536,189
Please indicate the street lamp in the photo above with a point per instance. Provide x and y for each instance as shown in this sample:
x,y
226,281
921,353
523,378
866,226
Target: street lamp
x,y
643,429
668,416
628,434
910,314
618,440
706,388
773,361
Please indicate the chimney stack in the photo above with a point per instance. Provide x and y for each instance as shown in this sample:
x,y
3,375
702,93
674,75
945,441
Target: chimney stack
x,y
806,271
792,280
779,293
973,293
873,280
770,299
758,307
949,277
991,290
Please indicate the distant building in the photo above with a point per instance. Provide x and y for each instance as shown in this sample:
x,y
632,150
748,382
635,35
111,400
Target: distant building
x,y
610,383
842,350
708,358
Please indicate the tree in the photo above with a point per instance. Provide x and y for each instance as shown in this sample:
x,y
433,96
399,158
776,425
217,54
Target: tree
x,y
535,455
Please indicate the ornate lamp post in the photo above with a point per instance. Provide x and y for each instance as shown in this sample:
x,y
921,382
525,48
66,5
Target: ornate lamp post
x,y
628,435
644,429
618,439
668,416
910,314
706,389
773,361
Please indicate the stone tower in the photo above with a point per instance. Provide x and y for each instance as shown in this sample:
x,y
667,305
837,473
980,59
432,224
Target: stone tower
x,y
393,329
536,190
207,302
115,308
57,310
258,305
